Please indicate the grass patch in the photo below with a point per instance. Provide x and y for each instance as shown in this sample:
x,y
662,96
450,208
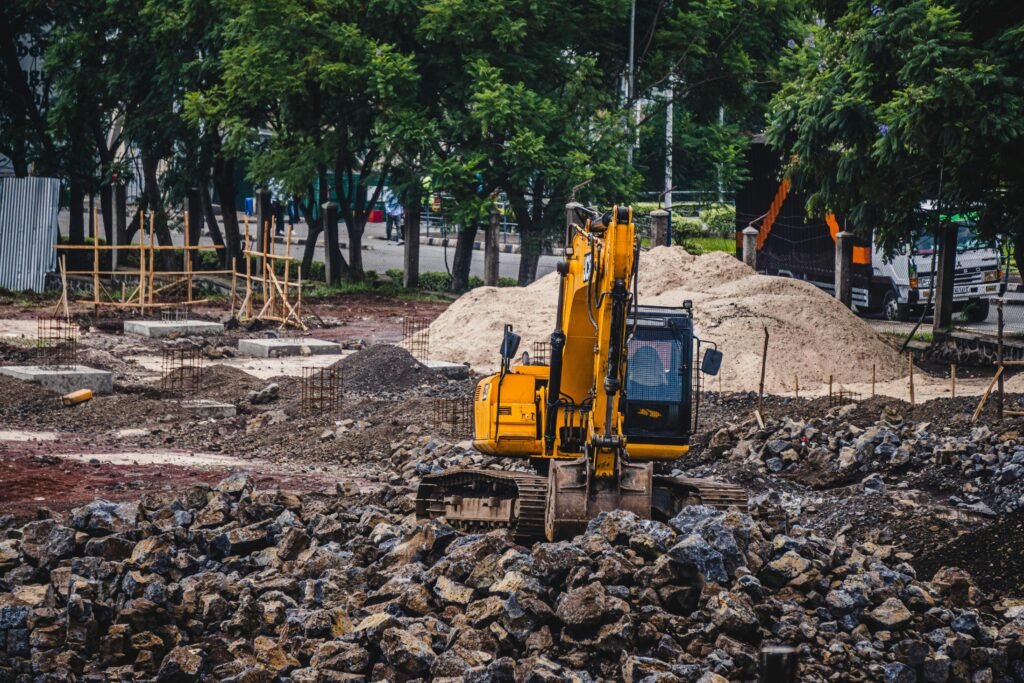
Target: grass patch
x,y
703,245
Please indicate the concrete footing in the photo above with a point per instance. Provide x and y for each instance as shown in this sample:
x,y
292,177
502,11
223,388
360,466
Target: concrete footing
x,y
288,346
215,409
449,370
63,380
171,328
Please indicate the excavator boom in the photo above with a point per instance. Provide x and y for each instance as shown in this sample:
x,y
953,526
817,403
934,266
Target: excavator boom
x,y
617,399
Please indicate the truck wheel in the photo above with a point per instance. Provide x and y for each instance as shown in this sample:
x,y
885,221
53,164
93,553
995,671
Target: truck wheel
x,y
892,308
977,310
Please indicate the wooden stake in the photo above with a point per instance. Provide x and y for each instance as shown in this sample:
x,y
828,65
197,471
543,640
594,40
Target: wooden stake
x,y
796,385
287,267
830,389
764,361
234,281
142,262
188,268
872,381
910,362
95,262
952,377
152,251
984,397
248,272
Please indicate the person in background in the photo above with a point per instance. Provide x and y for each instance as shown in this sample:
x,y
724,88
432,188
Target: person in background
x,y
277,205
393,212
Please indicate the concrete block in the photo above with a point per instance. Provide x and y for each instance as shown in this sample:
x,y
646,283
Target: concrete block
x,y
63,380
449,370
288,346
171,328
204,408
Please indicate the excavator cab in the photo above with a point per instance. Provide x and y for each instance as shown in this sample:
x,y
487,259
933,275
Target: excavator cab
x,y
661,399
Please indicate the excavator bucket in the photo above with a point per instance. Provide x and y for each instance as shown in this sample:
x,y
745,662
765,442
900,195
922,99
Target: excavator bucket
x,y
575,496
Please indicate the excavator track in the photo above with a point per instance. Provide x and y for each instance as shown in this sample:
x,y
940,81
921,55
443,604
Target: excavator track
x,y
482,500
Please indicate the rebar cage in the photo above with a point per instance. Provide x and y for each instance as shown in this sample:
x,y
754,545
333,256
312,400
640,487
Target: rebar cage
x,y
454,416
416,337
182,370
321,391
174,313
57,342
540,354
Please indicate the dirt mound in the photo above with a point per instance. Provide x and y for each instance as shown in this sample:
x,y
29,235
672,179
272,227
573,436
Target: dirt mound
x,y
227,383
990,555
812,336
384,367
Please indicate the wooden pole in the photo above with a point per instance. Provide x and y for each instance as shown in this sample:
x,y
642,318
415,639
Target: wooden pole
x,y
142,262
952,377
298,304
234,282
188,267
152,252
872,381
764,361
984,397
910,362
287,269
830,389
248,272
796,385
263,268
95,262
999,397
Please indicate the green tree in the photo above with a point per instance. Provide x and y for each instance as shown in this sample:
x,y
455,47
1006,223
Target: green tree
x,y
530,108
721,59
895,103
316,78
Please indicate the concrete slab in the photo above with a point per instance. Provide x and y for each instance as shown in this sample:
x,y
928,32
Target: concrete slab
x,y
287,346
171,328
205,408
63,380
449,370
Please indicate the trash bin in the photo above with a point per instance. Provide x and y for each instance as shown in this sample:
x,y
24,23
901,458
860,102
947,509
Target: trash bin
x,y
250,206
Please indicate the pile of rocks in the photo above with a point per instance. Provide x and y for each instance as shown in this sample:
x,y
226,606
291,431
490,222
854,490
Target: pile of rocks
x,y
982,471
231,583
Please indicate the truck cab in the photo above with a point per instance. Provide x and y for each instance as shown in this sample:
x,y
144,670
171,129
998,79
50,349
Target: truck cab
x,y
903,284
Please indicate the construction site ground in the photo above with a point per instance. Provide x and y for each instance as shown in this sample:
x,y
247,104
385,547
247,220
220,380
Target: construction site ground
x,y
918,483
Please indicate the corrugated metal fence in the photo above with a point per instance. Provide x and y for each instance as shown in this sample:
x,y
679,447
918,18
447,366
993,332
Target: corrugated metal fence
x,y
28,231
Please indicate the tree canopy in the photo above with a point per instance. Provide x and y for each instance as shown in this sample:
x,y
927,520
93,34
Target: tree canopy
x,y
898,103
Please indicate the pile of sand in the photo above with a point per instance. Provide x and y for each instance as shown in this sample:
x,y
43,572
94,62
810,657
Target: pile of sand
x,y
812,336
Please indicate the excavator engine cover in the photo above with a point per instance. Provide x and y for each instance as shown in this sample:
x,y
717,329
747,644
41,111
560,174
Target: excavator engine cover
x,y
575,497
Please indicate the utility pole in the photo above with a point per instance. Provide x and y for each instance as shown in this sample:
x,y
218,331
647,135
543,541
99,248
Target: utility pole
x,y
631,75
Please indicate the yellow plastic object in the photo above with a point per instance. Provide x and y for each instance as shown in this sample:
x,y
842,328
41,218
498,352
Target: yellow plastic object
x,y
76,397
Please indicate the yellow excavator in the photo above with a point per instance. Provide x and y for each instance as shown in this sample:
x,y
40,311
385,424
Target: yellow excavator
x,y
616,403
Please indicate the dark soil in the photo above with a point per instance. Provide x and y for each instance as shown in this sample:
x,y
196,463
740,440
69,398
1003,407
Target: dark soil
x,y
385,368
992,555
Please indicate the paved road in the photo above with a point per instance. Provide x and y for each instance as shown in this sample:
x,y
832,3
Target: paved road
x,y
380,255
1013,317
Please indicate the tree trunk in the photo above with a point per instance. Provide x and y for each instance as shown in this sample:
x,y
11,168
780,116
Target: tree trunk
x,y
529,254
76,225
1018,249
211,218
121,211
309,251
151,192
224,184
107,211
355,250
463,257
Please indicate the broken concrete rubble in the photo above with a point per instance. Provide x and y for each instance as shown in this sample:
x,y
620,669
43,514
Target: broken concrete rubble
x,y
237,583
